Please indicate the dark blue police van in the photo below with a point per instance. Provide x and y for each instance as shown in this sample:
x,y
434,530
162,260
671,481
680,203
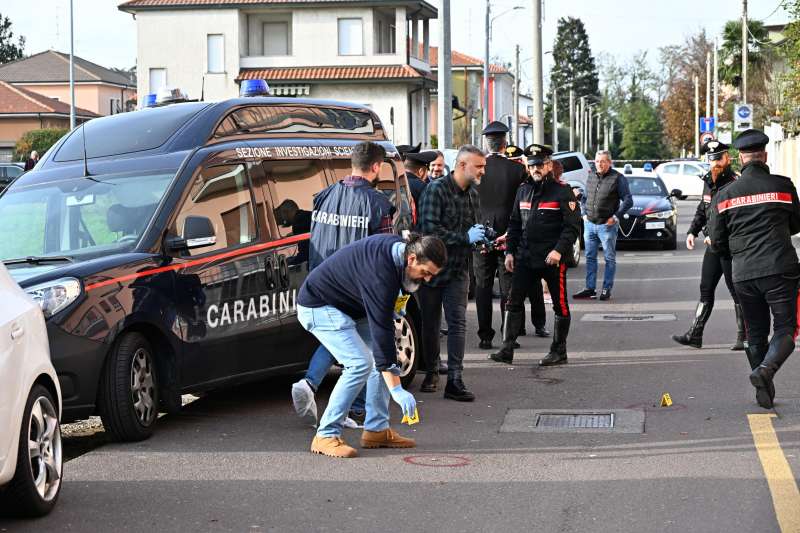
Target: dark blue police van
x,y
166,247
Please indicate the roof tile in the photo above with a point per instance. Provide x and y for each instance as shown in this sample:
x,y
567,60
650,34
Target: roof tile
x,y
52,66
18,100
331,73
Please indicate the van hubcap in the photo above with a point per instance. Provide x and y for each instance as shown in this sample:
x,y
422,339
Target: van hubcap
x,y
143,387
404,341
44,448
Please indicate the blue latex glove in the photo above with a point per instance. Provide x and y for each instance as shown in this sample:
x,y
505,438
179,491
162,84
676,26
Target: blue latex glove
x,y
476,233
404,399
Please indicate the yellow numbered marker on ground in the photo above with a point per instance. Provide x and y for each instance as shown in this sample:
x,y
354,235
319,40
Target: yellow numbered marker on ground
x,y
411,420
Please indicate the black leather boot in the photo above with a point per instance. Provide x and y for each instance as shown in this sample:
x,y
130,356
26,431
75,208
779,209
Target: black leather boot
x,y
558,348
780,348
740,331
456,390
431,382
694,337
755,355
511,326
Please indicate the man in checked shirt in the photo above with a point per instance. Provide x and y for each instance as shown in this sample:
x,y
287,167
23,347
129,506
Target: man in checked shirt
x,y
450,209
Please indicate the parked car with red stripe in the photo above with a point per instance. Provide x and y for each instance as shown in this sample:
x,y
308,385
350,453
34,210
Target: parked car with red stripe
x,y
167,246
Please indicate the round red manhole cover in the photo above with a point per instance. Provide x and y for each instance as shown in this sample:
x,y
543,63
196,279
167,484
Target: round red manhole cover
x,y
441,461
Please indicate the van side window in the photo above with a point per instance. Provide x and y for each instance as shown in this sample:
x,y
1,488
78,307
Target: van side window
x,y
222,195
293,185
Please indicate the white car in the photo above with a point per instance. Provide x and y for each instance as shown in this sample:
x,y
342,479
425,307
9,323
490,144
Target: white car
x,y
30,407
684,175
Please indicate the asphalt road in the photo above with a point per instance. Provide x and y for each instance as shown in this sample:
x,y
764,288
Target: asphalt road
x,y
238,460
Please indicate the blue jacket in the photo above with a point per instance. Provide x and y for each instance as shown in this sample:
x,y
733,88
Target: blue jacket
x,y
346,212
362,279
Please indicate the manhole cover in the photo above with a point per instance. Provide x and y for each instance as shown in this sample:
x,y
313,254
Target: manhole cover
x,y
548,420
573,421
628,317
437,461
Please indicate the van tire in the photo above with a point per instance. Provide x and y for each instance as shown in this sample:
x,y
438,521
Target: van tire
x,y
129,413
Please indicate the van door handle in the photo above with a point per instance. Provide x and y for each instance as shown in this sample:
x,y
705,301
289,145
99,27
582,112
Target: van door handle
x,y
17,331
269,274
283,272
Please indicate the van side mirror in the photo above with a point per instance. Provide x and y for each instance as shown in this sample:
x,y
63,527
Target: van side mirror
x,y
197,232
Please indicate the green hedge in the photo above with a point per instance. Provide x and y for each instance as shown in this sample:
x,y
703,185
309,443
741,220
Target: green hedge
x,y
39,140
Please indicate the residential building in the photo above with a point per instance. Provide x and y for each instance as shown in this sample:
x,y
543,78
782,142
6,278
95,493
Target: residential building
x,y
22,110
467,74
358,51
97,89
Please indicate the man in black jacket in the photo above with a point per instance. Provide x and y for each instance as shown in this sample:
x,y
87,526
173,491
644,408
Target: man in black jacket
x,y
543,227
497,191
416,165
607,199
715,265
753,221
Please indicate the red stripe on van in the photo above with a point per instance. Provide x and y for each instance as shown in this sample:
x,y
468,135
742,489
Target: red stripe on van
x,y
234,253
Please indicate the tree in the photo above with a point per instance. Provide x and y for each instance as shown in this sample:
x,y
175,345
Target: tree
x,y
574,68
8,50
791,53
39,140
641,130
760,55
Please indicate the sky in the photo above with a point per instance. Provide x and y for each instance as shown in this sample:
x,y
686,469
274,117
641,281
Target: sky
x,y
617,28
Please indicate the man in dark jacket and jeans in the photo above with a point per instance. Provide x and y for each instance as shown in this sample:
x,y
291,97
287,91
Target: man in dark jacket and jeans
x,y
450,209
753,221
543,227
607,199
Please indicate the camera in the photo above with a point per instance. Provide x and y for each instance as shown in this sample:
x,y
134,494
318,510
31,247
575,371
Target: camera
x,y
490,235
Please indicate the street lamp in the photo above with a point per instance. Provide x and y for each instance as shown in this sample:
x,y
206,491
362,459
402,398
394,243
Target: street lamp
x,y
489,21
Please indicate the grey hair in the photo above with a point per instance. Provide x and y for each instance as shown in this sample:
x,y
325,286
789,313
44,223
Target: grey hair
x,y
606,153
468,149
496,143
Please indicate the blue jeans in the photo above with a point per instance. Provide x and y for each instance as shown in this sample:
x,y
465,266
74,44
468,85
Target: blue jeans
x,y
349,342
321,362
593,235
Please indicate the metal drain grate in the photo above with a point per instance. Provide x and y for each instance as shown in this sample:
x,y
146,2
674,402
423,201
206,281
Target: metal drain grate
x,y
570,421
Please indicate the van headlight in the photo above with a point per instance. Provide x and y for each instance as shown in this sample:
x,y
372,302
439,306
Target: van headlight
x,y
54,296
662,214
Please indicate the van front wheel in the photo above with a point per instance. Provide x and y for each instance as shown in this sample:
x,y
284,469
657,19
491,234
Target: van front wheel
x,y
128,401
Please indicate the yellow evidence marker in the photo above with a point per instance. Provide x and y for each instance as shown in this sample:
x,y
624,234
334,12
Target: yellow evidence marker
x,y
411,420
666,401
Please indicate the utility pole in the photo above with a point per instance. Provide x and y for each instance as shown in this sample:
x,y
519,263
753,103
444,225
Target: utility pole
x,y
744,51
486,65
708,84
590,123
716,86
571,120
71,69
605,145
555,118
597,135
538,94
516,99
696,116
445,80
611,135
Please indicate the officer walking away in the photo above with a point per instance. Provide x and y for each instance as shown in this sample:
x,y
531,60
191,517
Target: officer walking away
x,y
348,303
715,265
417,172
497,191
608,198
542,230
450,210
753,221
343,213
437,168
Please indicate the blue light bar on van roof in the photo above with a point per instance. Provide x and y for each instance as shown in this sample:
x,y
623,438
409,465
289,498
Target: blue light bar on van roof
x,y
254,88
150,100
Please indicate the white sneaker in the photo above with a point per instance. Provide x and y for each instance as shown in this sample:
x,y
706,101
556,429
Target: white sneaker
x,y
303,400
352,424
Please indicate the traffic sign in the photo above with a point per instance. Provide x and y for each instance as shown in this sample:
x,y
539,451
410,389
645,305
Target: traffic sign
x,y
742,117
705,137
706,124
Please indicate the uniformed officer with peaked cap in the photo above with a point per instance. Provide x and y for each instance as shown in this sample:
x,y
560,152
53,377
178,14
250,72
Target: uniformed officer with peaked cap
x,y
497,190
753,221
416,164
515,153
715,265
542,229
404,149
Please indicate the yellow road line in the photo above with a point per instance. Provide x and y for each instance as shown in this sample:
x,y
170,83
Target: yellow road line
x,y
782,485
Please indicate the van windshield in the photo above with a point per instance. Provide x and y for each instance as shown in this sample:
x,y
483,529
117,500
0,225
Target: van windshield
x,y
80,218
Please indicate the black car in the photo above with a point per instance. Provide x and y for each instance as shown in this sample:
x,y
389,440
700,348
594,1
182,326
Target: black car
x,y
166,248
9,172
654,215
